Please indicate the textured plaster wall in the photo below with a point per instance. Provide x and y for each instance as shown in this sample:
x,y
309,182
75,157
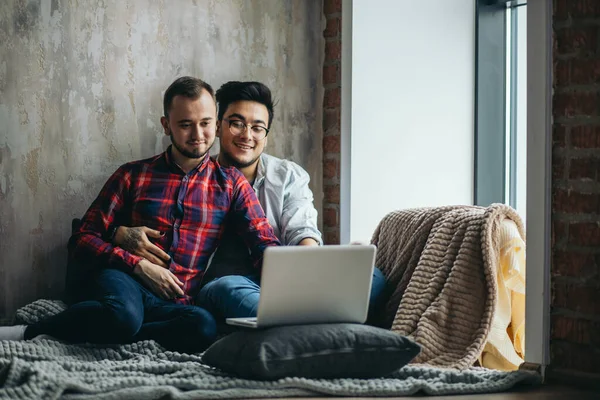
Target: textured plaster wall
x,y
81,87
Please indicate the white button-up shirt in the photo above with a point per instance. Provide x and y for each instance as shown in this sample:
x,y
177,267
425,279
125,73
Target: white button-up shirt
x,y
282,190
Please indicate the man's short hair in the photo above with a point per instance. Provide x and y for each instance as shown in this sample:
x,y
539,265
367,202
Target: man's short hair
x,y
234,91
187,86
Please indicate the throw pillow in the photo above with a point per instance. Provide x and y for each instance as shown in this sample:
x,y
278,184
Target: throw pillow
x,y
322,351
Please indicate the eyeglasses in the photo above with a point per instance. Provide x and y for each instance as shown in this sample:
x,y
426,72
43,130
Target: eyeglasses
x,y
238,127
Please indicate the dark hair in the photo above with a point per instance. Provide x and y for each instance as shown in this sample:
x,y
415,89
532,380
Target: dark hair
x,y
234,91
187,86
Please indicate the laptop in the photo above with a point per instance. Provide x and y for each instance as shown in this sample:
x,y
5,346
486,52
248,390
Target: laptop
x,y
313,284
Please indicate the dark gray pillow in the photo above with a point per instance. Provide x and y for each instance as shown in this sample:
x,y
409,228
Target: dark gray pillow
x,y
312,351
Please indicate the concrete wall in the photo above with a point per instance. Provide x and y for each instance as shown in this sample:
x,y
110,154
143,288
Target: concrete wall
x,y
81,88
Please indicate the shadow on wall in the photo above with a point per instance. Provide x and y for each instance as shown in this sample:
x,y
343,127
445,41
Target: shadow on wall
x,y
49,265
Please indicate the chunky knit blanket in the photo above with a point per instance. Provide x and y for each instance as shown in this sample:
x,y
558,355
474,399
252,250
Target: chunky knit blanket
x,y
442,263
47,369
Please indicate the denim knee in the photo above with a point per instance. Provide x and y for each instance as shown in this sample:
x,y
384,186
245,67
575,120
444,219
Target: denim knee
x,y
122,321
201,329
204,323
377,286
378,277
226,284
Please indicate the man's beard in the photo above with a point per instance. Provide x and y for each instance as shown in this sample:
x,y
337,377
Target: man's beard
x,y
187,153
231,161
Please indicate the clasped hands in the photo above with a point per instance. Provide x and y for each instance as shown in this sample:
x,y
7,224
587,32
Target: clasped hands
x,y
153,269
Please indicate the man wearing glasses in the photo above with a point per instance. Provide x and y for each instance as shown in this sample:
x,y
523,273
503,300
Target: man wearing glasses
x,y
187,196
244,118
231,287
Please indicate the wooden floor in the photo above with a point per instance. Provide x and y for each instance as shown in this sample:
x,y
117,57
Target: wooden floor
x,y
538,393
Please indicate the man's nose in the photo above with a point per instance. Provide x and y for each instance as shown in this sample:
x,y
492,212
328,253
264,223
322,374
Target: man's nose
x,y
196,130
246,133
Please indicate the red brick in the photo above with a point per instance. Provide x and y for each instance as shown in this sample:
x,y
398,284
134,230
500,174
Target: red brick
x,y
584,233
559,232
332,6
561,73
576,297
585,137
585,169
573,330
333,27
574,202
332,98
574,264
585,71
559,136
331,144
331,74
572,356
576,103
558,167
331,169
332,236
576,9
331,121
330,217
333,51
332,194
582,41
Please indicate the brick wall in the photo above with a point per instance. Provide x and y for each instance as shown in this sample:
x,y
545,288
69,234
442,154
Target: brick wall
x,y
331,120
575,337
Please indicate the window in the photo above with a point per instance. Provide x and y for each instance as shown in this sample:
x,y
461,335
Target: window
x,y
501,104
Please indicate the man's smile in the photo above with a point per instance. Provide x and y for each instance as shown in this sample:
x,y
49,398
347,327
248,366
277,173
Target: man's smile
x,y
243,146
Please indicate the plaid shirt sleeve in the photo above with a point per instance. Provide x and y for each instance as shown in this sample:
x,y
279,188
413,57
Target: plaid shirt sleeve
x,y
88,243
250,220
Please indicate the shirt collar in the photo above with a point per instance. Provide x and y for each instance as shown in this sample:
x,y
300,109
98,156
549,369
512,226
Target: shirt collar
x,y
260,173
177,169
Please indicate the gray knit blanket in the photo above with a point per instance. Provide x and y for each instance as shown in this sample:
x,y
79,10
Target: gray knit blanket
x,y
48,369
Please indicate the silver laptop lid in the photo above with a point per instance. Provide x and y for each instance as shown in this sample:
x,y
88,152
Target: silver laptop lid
x,y
315,284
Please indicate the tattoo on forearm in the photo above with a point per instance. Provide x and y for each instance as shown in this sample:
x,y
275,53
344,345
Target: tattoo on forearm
x,y
132,239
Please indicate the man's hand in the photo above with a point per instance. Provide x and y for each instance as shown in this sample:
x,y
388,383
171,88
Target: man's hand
x,y
159,280
135,240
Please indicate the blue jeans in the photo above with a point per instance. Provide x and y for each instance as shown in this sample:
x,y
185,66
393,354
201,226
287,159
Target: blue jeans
x,y
122,310
236,296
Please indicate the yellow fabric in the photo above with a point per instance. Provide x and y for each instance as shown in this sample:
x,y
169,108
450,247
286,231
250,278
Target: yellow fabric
x,y
505,347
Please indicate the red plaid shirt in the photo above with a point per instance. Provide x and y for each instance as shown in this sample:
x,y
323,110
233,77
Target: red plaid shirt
x,y
191,209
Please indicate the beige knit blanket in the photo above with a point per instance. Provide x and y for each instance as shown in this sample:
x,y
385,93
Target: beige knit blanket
x,y
442,265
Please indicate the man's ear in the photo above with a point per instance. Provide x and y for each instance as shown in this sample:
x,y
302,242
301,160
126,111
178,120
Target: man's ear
x,y
165,124
218,131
